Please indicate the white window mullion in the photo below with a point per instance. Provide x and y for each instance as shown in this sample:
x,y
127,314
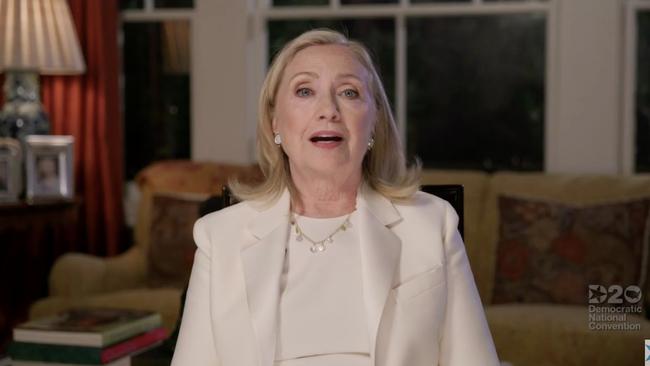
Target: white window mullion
x,y
156,16
148,6
403,8
401,75
551,128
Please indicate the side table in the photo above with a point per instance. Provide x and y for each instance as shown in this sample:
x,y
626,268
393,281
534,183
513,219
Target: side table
x,y
32,236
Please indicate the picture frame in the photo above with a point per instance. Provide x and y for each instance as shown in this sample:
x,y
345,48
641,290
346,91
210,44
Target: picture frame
x,y
49,167
11,172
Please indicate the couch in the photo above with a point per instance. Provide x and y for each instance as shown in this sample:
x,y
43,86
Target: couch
x,y
531,332
136,278
538,333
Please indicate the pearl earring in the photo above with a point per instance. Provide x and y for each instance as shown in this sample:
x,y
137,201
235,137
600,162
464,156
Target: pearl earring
x,y
371,143
277,139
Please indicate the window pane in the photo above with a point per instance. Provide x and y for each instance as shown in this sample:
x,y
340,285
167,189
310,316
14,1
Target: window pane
x,y
299,2
357,2
642,110
131,4
174,4
156,59
378,35
476,91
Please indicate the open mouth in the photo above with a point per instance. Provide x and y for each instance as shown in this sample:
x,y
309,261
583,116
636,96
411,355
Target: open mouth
x,y
326,139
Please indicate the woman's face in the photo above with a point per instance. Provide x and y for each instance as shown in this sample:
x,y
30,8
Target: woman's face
x,y
325,111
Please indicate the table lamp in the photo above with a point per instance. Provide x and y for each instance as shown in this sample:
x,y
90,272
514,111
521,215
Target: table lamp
x,y
36,37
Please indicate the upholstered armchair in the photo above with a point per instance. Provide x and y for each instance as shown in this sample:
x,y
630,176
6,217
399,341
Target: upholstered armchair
x,y
153,272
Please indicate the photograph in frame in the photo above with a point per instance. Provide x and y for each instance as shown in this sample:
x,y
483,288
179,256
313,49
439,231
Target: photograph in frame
x,y
11,173
48,165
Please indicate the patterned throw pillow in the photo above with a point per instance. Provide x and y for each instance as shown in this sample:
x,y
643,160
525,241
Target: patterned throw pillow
x,y
550,252
171,250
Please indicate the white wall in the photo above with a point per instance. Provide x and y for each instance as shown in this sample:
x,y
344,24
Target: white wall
x,y
583,134
583,123
220,127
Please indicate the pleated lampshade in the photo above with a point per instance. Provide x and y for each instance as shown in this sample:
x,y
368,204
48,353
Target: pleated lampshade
x,y
39,35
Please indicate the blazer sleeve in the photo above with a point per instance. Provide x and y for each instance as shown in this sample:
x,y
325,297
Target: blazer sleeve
x,y
466,338
195,345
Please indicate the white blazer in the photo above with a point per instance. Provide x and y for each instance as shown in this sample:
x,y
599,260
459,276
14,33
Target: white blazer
x,y
423,308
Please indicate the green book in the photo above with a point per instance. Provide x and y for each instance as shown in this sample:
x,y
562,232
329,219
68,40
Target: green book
x,y
92,327
86,355
126,361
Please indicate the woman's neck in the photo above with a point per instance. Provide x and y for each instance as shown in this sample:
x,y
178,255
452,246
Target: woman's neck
x,y
325,196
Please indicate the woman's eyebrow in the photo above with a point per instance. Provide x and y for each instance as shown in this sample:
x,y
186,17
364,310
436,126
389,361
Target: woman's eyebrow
x,y
348,76
308,73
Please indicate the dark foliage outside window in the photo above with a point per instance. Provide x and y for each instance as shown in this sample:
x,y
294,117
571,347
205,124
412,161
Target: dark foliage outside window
x,y
156,92
187,4
642,109
131,4
476,92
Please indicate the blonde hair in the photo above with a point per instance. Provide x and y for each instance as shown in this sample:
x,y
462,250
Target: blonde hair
x,y
384,166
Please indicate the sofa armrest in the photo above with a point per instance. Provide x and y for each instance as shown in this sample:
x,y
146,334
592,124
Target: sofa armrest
x,y
77,274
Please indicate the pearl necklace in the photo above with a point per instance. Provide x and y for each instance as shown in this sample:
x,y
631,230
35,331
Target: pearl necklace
x,y
318,246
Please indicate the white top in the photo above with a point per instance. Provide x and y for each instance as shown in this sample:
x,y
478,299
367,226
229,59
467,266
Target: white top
x,y
322,319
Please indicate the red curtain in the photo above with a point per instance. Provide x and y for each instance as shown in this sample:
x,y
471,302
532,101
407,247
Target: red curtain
x,y
87,107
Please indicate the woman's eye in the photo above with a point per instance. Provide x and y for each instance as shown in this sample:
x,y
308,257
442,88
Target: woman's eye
x,y
303,92
350,93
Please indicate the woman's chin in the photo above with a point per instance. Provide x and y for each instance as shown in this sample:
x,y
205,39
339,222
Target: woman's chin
x,y
333,169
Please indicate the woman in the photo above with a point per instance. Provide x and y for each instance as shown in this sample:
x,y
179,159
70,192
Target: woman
x,y
335,259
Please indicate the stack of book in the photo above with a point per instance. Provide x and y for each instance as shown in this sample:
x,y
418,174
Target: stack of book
x,y
90,336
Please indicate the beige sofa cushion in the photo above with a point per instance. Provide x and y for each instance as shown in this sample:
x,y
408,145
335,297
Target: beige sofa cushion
x,y
559,335
578,189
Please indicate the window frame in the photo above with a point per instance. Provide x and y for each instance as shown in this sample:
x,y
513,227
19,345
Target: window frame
x,y
262,12
149,13
628,130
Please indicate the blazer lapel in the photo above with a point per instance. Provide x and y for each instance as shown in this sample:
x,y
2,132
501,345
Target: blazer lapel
x,y
380,252
262,264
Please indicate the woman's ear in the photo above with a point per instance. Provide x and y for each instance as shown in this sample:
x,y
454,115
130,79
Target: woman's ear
x,y
274,125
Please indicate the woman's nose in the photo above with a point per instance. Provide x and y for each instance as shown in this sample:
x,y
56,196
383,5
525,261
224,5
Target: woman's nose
x,y
329,109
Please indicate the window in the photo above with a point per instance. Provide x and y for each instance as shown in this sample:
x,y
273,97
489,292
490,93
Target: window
x,y
476,91
642,92
156,82
467,78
